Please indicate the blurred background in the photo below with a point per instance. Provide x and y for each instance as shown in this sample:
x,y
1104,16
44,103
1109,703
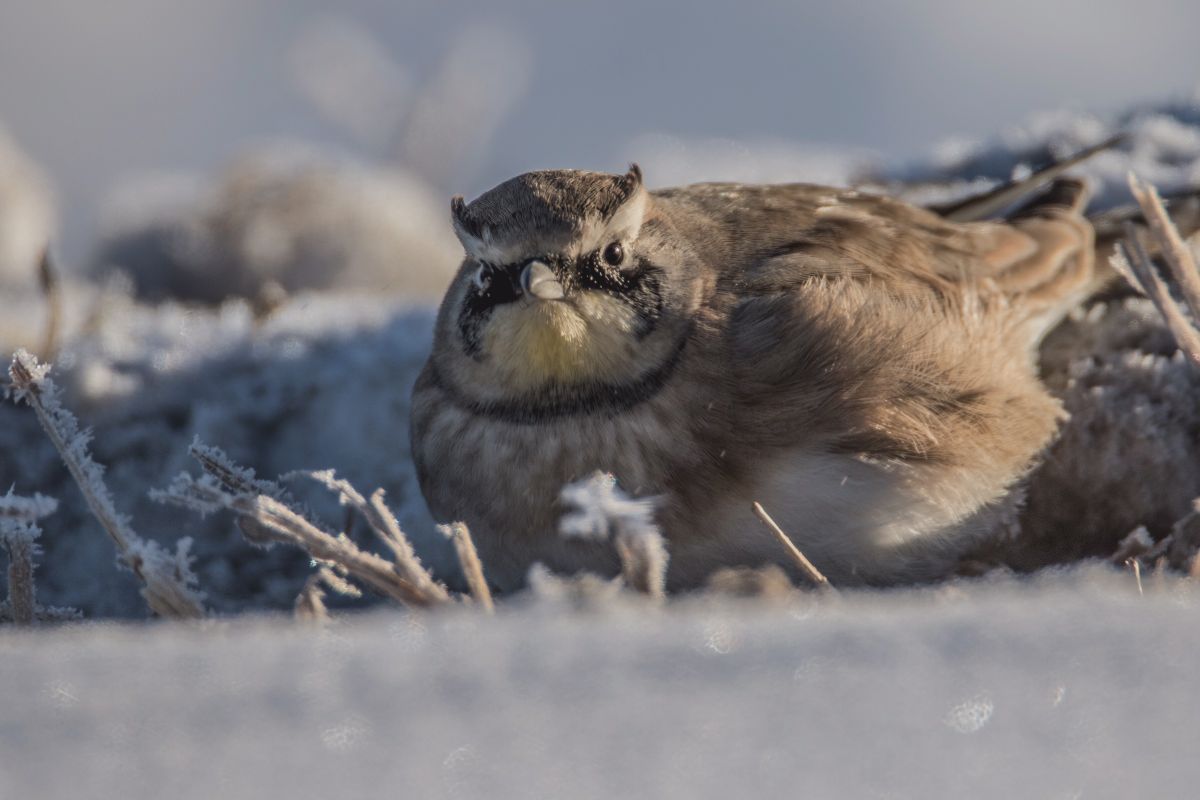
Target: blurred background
x,y
132,102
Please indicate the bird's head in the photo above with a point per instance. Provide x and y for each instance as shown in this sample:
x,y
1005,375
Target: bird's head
x,y
572,281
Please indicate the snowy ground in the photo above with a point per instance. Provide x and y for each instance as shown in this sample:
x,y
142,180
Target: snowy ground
x,y
1067,688
276,301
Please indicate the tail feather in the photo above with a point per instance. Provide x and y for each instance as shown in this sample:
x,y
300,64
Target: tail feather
x,y
995,201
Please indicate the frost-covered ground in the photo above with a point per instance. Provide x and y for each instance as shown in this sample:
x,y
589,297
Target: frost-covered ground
x,y
280,306
1064,685
289,372
1070,687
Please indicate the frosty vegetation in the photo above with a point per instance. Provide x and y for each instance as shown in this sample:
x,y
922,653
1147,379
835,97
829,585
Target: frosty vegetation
x,y
270,324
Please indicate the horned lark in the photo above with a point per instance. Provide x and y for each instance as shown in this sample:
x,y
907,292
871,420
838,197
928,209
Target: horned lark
x,y
862,367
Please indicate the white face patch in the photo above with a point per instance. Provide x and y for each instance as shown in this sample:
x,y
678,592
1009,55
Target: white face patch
x,y
624,225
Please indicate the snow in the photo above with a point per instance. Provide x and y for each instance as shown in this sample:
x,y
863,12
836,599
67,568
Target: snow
x,y
1070,687
273,298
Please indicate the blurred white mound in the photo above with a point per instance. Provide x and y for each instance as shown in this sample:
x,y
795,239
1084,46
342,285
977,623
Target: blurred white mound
x,y
27,222
283,217
27,216
1163,147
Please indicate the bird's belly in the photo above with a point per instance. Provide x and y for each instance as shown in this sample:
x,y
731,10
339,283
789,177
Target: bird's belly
x,y
858,521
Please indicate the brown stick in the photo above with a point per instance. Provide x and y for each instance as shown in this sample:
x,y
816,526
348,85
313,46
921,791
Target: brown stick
x,y
1175,250
20,581
1136,567
1132,251
472,567
166,592
806,566
48,280
381,575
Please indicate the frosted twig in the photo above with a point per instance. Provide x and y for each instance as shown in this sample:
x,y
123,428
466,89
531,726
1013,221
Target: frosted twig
x,y
806,566
21,550
603,511
381,520
168,584
14,506
1174,249
19,533
19,536
235,478
1142,266
643,562
381,575
1131,258
310,603
264,519
468,559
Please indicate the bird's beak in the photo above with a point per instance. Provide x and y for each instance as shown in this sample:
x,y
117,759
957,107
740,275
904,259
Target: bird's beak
x,y
538,280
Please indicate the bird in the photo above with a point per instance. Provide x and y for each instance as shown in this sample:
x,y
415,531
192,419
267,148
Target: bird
x,y
864,368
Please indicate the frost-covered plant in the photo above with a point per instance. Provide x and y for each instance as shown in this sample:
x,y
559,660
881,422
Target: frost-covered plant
x,y
27,215
310,603
168,584
1181,547
1135,264
472,567
603,511
19,533
265,517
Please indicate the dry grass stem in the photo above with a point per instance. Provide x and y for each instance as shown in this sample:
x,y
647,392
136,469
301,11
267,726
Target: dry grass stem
x,y
1151,283
1136,566
167,580
383,523
472,567
380,574
600,510
991,203
1134,262
310,603
806,566
52,292
1175,250
236,479
19,533
22,604
266,517
643,563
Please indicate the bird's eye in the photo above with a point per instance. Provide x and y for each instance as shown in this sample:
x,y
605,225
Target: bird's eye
x,y
614,254
482,277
